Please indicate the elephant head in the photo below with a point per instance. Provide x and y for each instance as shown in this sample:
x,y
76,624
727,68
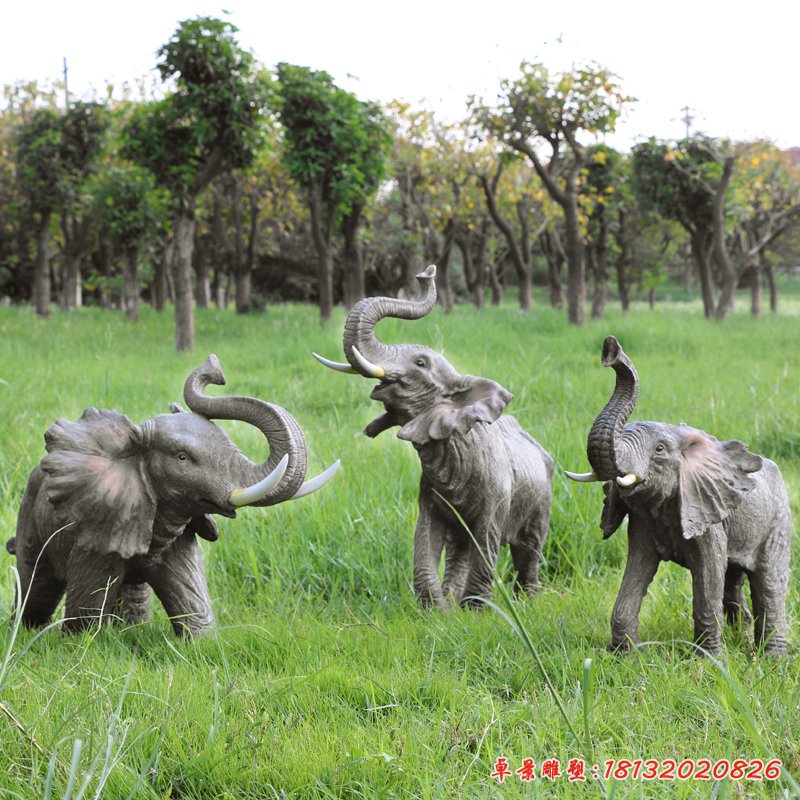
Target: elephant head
x,y
653,462
418,387
115,478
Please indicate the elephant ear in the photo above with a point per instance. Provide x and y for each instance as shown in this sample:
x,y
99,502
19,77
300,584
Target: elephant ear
x,y
476,400
614,509
714,478
96,478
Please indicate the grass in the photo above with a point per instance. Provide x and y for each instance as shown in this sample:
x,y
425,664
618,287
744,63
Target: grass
x,y
324,678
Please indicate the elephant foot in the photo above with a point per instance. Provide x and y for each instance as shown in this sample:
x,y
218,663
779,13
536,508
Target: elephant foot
x,y
622,648
428,602
527,588
736,614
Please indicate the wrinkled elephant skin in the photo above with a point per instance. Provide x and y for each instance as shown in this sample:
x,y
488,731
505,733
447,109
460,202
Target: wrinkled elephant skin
x,y
710,506
474,458
114,508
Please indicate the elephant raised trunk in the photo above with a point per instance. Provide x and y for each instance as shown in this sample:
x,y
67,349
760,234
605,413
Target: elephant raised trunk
x,y
602,445
281,430
359,329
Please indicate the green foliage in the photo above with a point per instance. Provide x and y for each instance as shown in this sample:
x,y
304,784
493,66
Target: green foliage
x,y
324,679
555,107
677,181
40,169
128,203
332,140
212,121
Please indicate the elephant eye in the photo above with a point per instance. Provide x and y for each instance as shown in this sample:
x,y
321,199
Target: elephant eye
x,y
183,457
660,448
420,362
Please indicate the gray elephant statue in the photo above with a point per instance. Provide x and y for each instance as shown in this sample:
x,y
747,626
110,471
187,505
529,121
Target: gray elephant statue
x,y
483,464
114,508
710,506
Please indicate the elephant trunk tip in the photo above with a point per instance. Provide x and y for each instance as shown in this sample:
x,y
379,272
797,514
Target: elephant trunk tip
x,y
428,273
212,371
611,351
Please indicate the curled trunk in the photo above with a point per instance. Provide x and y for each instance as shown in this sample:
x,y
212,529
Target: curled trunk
x,y
359,329
604,435
281,430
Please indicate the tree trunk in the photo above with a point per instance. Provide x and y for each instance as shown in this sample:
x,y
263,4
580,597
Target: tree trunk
x,y
494,284
701,254
321,231
351,256
773,288
105,255
576,283
442,261
70,288
520,256
162,266
552,250
202,287
728,273
130,286
755,291
41,283
182,276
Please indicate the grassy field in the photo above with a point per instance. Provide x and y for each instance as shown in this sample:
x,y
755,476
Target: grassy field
x,y
323,678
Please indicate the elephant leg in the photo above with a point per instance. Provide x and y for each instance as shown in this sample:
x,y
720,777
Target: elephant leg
x,y
527,551
179,582
429,539
708,587
40,595
456,564
640,569
733,599
93,585
770,628
482,562
134,602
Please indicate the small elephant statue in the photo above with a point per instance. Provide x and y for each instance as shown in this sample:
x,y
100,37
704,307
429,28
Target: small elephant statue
x,y
475,459
710,506
115,508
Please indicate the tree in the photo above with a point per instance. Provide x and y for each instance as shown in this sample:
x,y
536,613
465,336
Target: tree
x,y
554,110
688,182
209,125
514,223
765,205
335,149
83,129
40,175
131,209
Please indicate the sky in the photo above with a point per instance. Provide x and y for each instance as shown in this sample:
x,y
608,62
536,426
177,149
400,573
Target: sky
x,y
734,64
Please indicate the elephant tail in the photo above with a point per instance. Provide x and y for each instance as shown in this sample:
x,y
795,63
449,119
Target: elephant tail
x,y
11,545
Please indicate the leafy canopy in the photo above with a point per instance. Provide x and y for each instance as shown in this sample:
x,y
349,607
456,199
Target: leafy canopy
x,y
212,121
332,140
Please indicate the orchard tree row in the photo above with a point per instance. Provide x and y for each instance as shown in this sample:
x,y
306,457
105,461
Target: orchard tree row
x,y
241,185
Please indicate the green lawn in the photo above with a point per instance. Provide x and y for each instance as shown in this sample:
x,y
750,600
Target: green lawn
x,y
323,678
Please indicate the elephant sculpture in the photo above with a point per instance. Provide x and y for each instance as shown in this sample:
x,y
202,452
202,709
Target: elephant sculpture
x,y
710,506
482,464
114,508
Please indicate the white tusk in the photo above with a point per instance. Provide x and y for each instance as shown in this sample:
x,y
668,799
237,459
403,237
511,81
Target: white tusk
x,y
317,483
337,365
582,477
242,497
628,480
373,370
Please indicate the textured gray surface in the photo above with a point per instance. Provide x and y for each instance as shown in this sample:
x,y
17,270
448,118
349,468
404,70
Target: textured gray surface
x,y
710,506
474,458
124,504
